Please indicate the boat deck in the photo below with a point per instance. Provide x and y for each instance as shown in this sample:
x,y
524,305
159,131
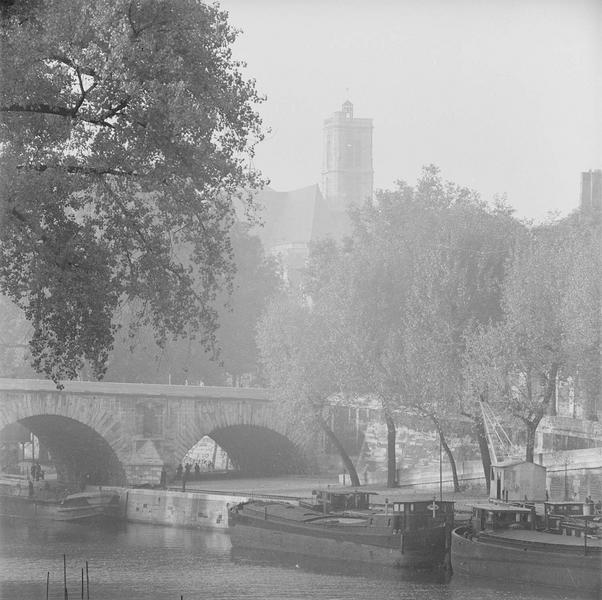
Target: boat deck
x,y
299,514
524,535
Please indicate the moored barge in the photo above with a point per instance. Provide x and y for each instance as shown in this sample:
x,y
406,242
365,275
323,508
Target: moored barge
x,y
341,525
83,506
505,541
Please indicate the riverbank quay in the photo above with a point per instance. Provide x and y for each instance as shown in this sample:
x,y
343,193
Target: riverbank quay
x,y
205,504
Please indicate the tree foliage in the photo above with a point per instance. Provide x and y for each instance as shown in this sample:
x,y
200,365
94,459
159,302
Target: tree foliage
x,y
423,266
551,301
126,128
301,362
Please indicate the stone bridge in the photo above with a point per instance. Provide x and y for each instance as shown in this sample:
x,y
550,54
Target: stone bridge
x,y
125,432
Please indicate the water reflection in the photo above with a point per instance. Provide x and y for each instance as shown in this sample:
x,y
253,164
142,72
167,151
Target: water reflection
x,y
287,561
143,562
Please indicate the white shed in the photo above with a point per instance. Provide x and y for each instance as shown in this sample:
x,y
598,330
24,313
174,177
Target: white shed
x,y
518,481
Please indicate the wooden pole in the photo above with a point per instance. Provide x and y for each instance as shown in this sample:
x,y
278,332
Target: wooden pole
x,y
82,583
47,583
66,595
87,583
440,469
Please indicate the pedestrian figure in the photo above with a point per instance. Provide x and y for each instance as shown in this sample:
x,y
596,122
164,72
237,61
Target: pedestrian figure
x,y
197,471
163,481
179,471
185,479
33,470
30,485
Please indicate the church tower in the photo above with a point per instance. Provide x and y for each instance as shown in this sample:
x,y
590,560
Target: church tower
x,y
347,173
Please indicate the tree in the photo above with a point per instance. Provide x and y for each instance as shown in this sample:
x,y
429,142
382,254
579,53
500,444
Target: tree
x,y
447,251
582,310
15,333
300,361
358,291
126,131
516,362
255,281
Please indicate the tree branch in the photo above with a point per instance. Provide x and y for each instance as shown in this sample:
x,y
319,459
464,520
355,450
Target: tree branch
x,y
62,111
81,170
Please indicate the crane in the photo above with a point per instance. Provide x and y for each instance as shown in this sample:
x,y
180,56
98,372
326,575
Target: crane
x,y
501,447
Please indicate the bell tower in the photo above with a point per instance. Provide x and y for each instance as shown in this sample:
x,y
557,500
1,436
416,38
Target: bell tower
x,y
347,173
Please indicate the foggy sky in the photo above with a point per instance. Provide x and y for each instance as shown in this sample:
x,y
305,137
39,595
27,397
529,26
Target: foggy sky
x,y
505,96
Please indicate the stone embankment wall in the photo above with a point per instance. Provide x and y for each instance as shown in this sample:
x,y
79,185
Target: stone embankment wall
x,y
177,509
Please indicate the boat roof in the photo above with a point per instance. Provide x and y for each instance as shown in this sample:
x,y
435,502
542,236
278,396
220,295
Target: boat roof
x,y
507,508
564,502
513,462
392,495
341,489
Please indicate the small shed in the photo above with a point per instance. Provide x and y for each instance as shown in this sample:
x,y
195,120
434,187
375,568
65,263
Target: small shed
x,y
518,481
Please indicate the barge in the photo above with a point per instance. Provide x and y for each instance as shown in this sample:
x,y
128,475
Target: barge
x,y
342,525
505,541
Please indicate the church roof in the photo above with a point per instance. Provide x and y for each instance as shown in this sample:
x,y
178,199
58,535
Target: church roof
x,y
295,217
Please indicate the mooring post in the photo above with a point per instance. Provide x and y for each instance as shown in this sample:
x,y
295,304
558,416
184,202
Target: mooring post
x,y
87,583
65,576
47,583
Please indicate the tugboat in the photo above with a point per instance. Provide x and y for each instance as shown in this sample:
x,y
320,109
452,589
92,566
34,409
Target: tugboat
x,y
340,524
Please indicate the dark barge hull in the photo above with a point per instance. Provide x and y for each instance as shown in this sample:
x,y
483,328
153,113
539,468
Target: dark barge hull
x,y
423,548
532,562
27,508
34,508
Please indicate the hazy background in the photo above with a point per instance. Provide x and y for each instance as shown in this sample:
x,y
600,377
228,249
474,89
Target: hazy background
x,y
503,95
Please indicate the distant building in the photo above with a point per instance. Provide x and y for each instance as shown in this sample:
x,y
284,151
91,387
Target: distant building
x,y
293,220
347,173
591,191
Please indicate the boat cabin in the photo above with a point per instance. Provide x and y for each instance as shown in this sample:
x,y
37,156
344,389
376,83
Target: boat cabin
x,y
565,509
419,513
491,517
567,517
517,481
338,500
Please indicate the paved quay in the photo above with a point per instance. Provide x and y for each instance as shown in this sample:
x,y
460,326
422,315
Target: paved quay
x,y
301,487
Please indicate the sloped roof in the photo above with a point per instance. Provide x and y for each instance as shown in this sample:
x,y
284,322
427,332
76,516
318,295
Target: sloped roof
x,y
299,216
287,217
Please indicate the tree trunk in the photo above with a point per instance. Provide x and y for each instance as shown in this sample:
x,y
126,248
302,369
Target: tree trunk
x,y
531,429
391,454
450,456
484,448
533,423
355,480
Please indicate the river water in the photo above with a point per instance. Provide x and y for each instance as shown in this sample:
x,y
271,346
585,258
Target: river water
x,y
144,562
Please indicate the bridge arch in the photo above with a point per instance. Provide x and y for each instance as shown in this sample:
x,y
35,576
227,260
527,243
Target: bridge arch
x,y
80,454
256,440
83,437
